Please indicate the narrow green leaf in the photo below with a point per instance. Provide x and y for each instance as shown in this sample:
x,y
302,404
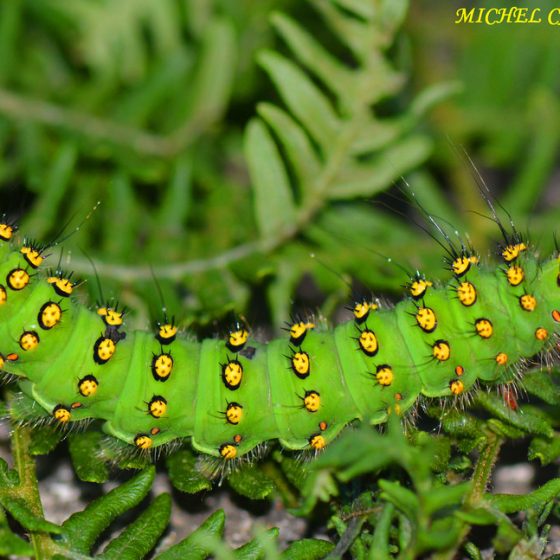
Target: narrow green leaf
x,y
389,15
445,497
307,549
83,447
8,477
541,384
461,424
11,20
544,449
137,105
174,208
303,98
82,529
274,204
250,481
198,545
504,429
385,168
524,420
19,510
357,35
257,548
473,551
53,189
379,549
434,95
401,497
138,539
375,134
361,8
217,65
510,503
183,474
44,439
296,144
337,77
11,544
478,516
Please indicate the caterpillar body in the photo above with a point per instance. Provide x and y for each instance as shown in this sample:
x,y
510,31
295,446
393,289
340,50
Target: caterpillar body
x,y
229,396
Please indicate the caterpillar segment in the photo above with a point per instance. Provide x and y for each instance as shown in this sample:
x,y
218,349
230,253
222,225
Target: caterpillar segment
x,y
229,396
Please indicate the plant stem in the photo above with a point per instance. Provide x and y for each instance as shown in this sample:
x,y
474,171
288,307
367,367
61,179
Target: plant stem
x,y
480,478
29,488
484,468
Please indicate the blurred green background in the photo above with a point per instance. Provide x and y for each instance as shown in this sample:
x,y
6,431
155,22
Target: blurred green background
x,y
229,141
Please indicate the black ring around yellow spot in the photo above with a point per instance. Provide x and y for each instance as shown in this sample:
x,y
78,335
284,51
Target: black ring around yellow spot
x,y
3,295
362,309
456,386
162,366
17,279
157,407
466,292
441,350
234,413
418,288
311,401
32,255
111,317
317,441
484,328
298,331
528,302
228,451
461,264
2,361
237,339
232,374
103,350
29,340
501,358
541,334
384,375
556,315
515,275
6,232
49,315
87,386
512,251
62,286
426,319
300,364
368,342
142,441
62,414
166,333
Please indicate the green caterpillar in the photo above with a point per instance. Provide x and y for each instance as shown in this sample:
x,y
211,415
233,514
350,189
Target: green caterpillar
x,y
229,396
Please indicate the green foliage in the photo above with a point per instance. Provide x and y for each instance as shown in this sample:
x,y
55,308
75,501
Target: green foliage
x,y
142,130
226,142
78,536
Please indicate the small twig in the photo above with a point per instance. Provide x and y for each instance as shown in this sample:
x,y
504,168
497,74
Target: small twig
x,y
18,107
481,478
